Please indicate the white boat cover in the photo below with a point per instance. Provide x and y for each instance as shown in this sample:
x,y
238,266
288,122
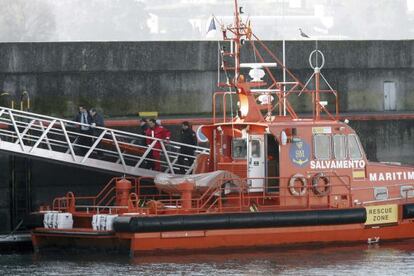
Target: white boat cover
x,y
202,182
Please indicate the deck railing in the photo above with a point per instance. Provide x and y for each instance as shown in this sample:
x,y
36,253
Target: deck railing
x,y
223,113
145,199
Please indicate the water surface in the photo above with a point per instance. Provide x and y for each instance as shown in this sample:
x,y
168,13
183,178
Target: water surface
x,y
382,259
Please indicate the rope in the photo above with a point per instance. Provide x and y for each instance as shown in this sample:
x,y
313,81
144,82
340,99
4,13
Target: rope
x,y
12,232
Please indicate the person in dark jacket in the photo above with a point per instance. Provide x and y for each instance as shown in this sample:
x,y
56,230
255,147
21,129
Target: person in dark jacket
x,y
187,136
83,117
97,120
85,130
142,129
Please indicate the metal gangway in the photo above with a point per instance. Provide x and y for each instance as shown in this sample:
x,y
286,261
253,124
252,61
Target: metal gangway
x,y
59,140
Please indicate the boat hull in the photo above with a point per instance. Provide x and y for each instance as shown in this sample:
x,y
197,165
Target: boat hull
x,y
68,240
264,237
217,239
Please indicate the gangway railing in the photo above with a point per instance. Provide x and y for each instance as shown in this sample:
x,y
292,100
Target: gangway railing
x,y
64,141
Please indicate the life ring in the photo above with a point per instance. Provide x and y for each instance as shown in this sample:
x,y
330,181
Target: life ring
x,y
155,207
303,188
321,191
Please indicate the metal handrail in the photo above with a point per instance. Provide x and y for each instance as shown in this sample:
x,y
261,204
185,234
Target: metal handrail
x,y
39,135
127,134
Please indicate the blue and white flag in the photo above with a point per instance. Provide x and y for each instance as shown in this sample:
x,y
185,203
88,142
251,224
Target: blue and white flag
x,y
211,29
212,25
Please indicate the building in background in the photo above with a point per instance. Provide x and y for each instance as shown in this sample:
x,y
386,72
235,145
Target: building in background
x,y
137,20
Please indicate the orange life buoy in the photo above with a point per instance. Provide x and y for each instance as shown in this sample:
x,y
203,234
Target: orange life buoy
x,y
321,191
155,207
302,189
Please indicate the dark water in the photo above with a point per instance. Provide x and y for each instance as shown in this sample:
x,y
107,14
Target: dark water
x,y
383,259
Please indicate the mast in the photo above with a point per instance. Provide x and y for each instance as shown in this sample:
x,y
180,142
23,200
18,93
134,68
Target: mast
x,y
250,107
235,42
317,94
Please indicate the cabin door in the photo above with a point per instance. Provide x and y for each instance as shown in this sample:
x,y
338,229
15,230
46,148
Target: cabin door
x,y
272,168
256,164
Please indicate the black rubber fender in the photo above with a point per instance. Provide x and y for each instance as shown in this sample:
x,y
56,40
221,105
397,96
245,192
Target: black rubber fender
x,y
408,211
135,224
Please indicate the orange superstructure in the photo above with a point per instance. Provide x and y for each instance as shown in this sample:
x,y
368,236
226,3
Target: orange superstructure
x,y
270,178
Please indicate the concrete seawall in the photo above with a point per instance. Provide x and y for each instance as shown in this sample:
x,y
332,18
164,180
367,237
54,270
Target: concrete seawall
x,y
122,78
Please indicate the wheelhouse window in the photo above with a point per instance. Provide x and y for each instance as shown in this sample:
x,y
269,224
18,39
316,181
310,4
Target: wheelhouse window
x,y
353,147
239,149
322,146
255,149
339,147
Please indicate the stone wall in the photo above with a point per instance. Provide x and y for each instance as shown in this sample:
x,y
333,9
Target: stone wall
x,y
123,78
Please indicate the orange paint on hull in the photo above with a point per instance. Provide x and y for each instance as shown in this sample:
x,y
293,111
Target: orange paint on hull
x,y
158,242
263,237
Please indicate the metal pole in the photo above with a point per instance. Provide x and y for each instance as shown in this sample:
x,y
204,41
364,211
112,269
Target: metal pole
x,y
317,99
284,78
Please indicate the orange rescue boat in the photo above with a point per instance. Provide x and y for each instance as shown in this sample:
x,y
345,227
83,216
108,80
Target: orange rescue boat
x,y
271,178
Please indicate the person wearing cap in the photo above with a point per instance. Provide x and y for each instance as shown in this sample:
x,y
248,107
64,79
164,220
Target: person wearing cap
x,y
156,131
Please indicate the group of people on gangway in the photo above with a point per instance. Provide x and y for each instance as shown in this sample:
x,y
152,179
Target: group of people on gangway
x,y
151,128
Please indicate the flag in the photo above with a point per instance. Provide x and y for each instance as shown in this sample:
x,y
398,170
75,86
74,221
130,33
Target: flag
x,y
212,25
211,30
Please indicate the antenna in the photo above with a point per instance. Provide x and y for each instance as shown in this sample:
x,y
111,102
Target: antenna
x,y
249,88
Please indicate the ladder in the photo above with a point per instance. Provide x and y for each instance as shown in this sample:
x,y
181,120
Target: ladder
x,y
59,140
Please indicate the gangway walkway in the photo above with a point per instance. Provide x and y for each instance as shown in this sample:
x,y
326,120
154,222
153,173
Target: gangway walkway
x,y
58,140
